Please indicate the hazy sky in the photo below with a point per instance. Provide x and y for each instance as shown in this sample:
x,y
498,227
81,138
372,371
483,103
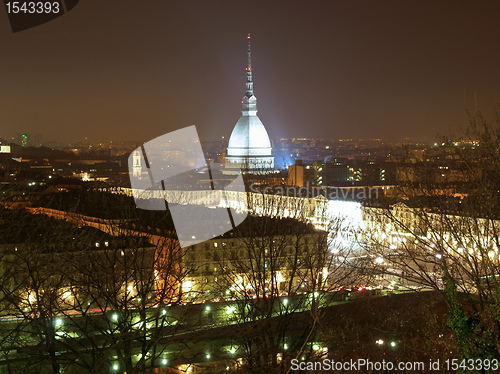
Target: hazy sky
x,y
134,70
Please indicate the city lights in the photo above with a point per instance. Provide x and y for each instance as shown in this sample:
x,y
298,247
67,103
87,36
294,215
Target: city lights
x,y
135,237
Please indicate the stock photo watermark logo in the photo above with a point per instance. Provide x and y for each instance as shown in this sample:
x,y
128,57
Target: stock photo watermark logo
x,y
170,172
25,15
354,193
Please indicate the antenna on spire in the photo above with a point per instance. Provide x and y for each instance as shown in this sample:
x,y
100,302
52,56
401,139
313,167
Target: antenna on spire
x,y
249,92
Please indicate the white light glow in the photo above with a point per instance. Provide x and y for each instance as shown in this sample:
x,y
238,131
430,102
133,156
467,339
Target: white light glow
x,y
349,211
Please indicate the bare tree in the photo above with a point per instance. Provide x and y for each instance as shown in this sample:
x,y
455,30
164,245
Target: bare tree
x,y
76,298
443,234
274,275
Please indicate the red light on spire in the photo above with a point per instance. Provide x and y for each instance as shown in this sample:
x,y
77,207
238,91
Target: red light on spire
x,y
248,37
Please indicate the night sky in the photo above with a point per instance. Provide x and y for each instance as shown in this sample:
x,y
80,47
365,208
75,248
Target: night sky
x,y
134,70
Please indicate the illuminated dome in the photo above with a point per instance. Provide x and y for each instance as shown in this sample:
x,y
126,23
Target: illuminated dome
x,y
249,145
249,137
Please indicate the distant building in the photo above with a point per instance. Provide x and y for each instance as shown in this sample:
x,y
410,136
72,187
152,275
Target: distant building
x,y
136,167
249,145
228,265
4,146
334,172
27,140
301,175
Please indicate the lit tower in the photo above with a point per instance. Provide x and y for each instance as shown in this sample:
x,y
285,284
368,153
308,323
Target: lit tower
x,y
136,164
249,145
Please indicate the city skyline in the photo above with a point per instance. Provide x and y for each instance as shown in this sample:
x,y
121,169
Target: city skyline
x,y
384,70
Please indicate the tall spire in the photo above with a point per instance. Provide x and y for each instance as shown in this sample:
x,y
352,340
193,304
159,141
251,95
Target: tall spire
x,y
249,101
249,146
249,92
